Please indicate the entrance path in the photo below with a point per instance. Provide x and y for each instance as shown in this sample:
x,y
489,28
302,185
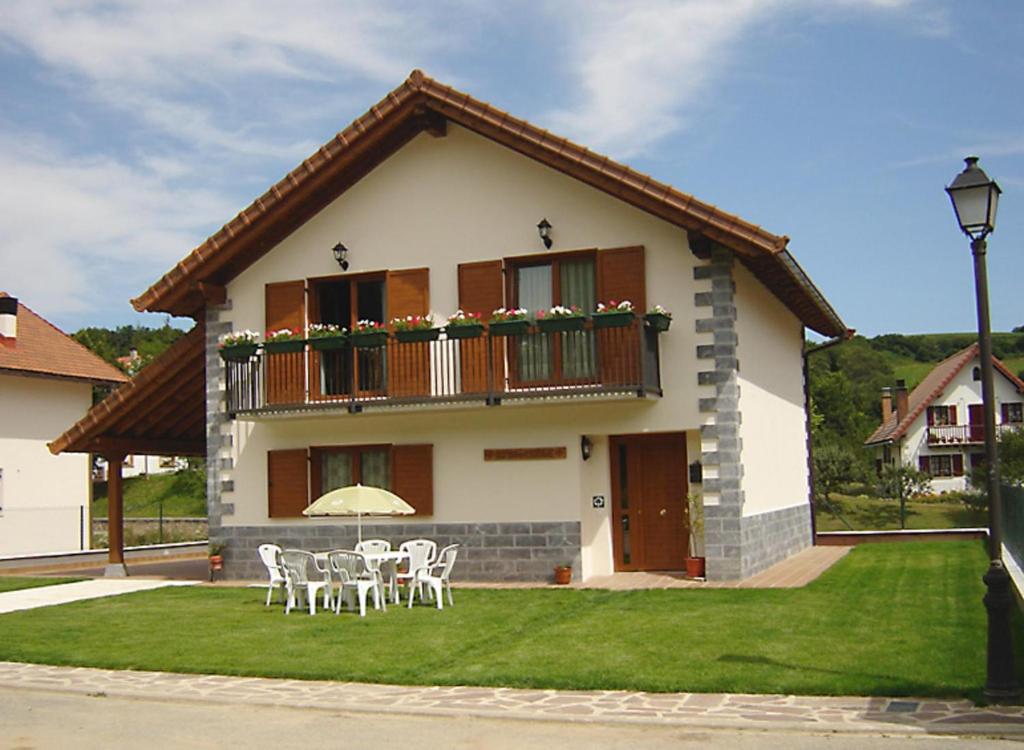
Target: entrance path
x,y
62,593
903,716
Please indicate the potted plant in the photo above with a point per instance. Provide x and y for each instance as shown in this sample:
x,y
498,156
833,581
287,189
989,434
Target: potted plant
x,y
368,334
216,557
509,322
464,325
658,318
614,314
239,345
560,318
284,340
326,336
415,328
563,574
695,562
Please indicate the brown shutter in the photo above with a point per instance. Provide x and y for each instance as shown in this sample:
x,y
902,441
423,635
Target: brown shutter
x,y
408,293
412,476
951,411
931,416
285,307
481,290
924,464
620,277
958,465
287,483
1006,413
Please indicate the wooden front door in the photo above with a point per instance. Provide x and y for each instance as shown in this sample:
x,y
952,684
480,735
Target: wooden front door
x,y
649,509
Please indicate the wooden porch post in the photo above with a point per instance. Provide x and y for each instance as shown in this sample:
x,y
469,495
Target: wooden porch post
x,y
115,516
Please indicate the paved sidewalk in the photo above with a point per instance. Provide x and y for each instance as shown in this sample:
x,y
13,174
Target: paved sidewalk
x,y
62,593
691,710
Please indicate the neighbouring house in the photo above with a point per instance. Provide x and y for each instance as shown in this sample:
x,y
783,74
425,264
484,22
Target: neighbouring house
x,y
46,381
939,427
530,448
140,466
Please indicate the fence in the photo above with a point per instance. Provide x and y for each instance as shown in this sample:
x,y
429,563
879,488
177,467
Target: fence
x,y
1013,534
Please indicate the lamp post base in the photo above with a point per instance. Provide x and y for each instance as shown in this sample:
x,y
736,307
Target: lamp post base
x,y
1001,686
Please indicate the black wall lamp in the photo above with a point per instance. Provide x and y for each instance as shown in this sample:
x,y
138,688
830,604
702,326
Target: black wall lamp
x,y
586,447
341,255
544,229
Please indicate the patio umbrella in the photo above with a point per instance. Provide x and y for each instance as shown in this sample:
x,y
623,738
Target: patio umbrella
x,y
358,501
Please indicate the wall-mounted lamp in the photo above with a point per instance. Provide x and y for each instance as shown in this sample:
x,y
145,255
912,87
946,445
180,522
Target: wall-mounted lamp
x,y
341,255
544,229
586,447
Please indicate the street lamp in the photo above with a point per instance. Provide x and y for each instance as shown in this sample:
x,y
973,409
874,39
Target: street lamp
x,y
975,198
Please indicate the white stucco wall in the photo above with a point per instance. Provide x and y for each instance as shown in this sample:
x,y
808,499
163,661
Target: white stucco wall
x,y
42,495
773,428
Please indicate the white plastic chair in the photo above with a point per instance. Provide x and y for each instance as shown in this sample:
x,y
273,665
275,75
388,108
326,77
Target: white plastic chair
x,y
388,569
296,564
355,577
422,553
269,557
437,577
373,546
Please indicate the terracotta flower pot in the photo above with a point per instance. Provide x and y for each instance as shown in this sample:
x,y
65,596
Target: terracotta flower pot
x,y
695,567
563,575
216,562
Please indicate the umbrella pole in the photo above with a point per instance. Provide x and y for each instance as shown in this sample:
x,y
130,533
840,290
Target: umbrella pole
x,y
359,526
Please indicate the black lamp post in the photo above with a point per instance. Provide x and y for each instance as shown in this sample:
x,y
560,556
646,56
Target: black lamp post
x,y
975,198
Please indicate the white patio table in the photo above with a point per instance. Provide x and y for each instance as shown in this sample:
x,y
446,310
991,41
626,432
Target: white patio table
x,y
373,560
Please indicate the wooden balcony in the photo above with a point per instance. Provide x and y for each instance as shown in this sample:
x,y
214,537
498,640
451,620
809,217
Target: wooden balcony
x,y
964,434
488,369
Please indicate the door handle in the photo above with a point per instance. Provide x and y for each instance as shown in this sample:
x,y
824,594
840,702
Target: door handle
x,y
662,512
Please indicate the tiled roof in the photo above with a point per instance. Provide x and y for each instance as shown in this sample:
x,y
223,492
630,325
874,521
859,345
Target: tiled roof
x,y
929,389
42,349
418,104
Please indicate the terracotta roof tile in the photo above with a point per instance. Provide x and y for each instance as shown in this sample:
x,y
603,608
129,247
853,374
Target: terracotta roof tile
x,y
43,349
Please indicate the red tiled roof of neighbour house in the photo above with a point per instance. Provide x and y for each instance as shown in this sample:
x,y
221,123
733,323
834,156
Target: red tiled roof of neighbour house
x,y
41,349
161,411
421,103
929,389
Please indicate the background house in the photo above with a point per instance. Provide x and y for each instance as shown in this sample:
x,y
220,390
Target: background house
x,y
939,427
46,381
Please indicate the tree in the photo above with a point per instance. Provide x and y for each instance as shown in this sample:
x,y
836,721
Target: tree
x,y
903,483
834,466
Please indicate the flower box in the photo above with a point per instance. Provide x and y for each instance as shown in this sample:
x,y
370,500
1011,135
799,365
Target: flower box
x,y
421,334
561,325
658,322
328,343
284,347
510,327
238,353
369,340
464,331
615,319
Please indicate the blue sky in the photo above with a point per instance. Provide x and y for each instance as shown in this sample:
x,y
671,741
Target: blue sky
x,y
130,131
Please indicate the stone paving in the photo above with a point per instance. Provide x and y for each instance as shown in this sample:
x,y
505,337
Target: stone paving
x,y
62,593
904,716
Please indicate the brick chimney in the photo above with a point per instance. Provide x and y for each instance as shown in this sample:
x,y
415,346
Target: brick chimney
x,y
886,404
902,401
8,320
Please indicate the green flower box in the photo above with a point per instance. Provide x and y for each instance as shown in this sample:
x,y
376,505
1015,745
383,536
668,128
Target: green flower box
x,y
328,343
658,322
561,325
285,347
465,331
373,340
510,328
618,319
428,334
238,353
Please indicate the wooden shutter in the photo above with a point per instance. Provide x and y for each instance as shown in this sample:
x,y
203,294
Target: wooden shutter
x,y
412,476
1006,413
958,465
620,277
287,483
408,293
924,464
285,307
951,412
931,416
481,290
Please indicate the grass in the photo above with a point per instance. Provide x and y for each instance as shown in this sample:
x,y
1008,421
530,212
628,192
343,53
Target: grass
x,y
12,583
182,496
888,619
877,514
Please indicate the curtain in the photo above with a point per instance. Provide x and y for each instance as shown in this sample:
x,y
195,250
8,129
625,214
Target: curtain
x,y
578,288
375,467
534,286
336,471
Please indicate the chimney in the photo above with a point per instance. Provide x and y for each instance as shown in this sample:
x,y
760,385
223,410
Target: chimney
x,y
886,404
902,401
8,320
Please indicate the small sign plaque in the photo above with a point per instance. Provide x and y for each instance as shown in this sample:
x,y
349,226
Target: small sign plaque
x,y
598,501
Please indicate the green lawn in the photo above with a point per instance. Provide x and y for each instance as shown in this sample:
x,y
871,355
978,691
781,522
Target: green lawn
x,y
877,514
889,619
13,583
182,496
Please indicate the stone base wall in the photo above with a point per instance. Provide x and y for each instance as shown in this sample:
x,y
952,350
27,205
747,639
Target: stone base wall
x,y
523,551
770,537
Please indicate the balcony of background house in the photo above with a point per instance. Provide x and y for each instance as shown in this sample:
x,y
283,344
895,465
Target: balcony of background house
x,y
487,369
964,434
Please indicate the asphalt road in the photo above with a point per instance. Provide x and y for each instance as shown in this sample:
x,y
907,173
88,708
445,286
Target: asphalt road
x,y
35,720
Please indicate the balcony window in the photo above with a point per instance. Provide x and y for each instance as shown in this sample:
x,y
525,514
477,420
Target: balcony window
x,y
941,416
1013,413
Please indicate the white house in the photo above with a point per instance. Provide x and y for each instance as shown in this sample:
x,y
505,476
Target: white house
x,y
528,449
939,426
46,381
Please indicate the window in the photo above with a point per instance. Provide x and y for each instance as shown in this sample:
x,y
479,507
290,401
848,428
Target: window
x,y
939,465
976,373
343,466
1013,413
941,416
344,302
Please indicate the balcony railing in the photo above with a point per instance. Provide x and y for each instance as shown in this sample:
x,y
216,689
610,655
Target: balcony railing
x,y
487,369
964,434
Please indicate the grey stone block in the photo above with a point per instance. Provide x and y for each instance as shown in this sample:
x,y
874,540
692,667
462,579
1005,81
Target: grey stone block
x,y
705,351
702,299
